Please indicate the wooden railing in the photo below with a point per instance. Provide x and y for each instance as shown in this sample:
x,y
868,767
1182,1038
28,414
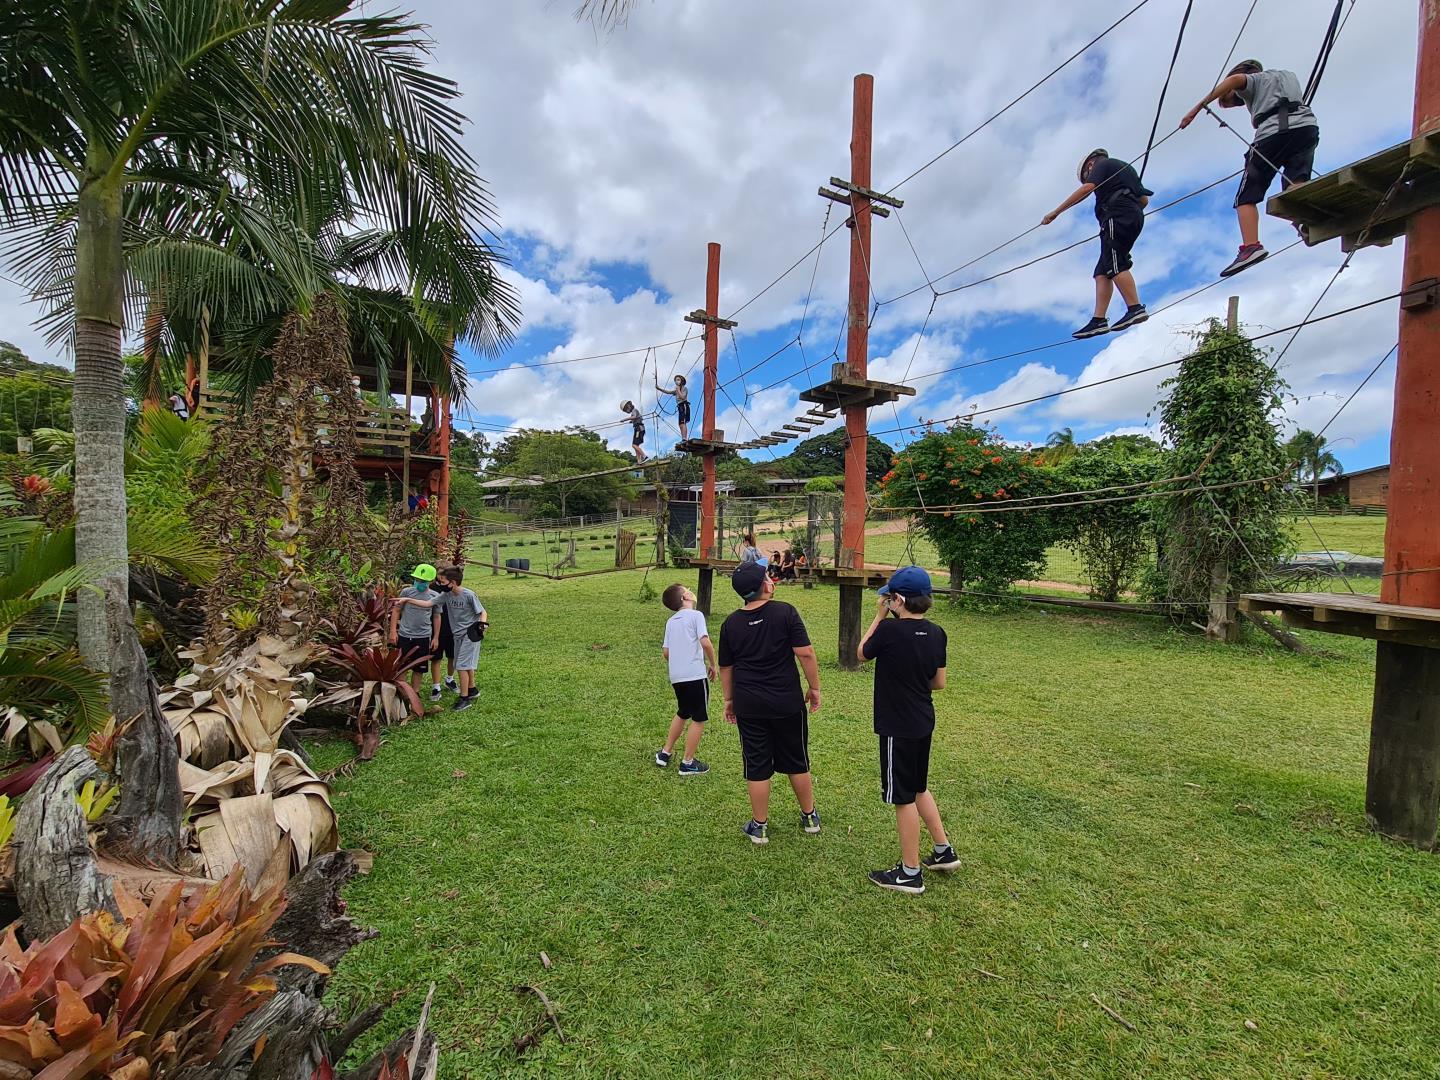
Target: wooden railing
x,y
381,431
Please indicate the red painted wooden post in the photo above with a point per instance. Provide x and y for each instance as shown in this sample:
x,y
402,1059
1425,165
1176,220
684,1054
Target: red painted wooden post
x,y
1402,792
712,363
857,340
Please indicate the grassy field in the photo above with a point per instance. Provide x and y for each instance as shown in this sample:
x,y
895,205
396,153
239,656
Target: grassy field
x,y
1173,826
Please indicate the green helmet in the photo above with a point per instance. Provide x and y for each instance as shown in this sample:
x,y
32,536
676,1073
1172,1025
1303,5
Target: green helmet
x,y
423,572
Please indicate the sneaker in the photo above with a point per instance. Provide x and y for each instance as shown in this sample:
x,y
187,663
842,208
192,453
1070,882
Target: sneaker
x,y
810,822
662,758
465,702
451,684
693,768
1249,255
435,692
895,878
1094,328
758,834
1133,315
948,863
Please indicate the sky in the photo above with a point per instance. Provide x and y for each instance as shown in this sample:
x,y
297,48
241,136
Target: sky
x,y
615,157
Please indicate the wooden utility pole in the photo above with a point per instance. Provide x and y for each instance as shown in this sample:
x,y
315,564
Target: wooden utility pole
x,y
711,441
1402,796
1223,623
850,388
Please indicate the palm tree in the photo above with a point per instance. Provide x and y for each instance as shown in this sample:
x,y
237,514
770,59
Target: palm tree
x,y
114,114
1311,460
1061,446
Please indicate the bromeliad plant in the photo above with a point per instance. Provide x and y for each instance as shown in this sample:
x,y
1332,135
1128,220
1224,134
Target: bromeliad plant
x,y
376,677
143,995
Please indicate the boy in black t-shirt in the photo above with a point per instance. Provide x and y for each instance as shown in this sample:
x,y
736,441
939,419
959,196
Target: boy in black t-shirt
x,y
1120,201
759,645
909,655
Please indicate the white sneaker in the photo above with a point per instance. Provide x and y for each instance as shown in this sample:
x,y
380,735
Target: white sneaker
x,y
435,693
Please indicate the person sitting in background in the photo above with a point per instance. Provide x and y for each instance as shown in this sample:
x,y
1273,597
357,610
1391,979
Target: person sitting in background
x,y
787,565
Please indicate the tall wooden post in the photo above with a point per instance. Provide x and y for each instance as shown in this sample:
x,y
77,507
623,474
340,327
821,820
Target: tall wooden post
x,y
1223,623
1402,796
409,394
442,495
857,365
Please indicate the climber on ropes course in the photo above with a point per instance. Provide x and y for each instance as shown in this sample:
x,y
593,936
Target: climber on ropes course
x,y
681,394
637,423
1120,200
1286,135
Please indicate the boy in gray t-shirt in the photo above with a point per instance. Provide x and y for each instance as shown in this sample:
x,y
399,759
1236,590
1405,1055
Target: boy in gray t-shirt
x,y
465,613
415,622
1286,135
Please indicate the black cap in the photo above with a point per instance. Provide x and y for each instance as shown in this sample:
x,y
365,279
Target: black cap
x,y
749,581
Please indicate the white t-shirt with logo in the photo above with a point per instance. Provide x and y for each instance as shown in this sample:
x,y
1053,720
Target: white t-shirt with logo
x,y
683,634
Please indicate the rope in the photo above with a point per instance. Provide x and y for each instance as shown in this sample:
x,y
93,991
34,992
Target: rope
x,y
1327,45
1164,89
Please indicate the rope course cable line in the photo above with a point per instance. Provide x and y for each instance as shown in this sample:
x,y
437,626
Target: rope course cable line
x,y
1165,88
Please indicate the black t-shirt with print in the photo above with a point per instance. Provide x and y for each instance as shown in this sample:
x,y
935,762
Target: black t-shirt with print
x,y
1117,188
907,653
758,645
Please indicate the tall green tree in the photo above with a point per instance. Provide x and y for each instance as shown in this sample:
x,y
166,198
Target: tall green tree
x,y
554,454
1112,539
1312,460
1220,416
1061,446
109,112
824,455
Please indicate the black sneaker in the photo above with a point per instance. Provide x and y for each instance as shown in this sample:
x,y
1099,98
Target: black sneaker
x,y
810,822
465,702
693,768
451,684
1133,315
758,833
1094,328
898,880
435,692
1249,255
662,758
948,863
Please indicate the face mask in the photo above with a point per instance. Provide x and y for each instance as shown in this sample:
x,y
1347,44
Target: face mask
x,y
421,586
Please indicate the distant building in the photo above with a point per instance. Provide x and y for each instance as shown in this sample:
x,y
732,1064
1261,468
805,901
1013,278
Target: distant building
x,y
1367,487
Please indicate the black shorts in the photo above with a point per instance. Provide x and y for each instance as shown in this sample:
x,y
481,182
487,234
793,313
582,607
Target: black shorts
x,y
412,647
771,746
692,700
1293,151
684,410
1118,234
446,651
904,768
639,436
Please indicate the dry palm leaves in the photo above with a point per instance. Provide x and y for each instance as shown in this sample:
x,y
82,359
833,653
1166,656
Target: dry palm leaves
x,y
244,792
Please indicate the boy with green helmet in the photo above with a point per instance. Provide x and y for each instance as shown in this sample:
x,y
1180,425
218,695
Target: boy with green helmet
x,y
415,622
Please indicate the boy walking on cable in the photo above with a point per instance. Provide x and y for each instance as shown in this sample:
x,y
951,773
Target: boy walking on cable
x,y
759,646
681,394
691,659
1286,135
909,655
467,620
1120,201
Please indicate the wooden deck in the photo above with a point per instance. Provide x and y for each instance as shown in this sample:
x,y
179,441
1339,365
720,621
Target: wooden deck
x,y
1355,616
830,575
844,391
1344,202
380,432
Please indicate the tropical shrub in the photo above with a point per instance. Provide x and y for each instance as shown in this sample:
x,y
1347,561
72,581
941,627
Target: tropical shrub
x,y
159,988
376,682
943,479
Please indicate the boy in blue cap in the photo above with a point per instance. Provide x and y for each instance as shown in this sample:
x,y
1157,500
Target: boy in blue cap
x,y
909,655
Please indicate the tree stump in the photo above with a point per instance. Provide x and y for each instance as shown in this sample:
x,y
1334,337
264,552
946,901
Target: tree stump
x,y
56,877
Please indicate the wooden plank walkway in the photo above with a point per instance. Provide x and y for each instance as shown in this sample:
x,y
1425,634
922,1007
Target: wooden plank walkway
x,y
1356,616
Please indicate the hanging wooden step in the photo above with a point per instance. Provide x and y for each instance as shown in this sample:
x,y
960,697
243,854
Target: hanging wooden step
x,y
1352,202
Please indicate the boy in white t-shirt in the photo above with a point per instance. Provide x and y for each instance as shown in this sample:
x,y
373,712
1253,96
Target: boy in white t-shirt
x,y
691,658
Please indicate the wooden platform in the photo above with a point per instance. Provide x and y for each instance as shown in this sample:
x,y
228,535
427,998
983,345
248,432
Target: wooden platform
x,y
844,391
830,575
1342,203
707,446
1355,616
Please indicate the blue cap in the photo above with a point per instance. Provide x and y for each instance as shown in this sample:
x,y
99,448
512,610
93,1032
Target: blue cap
x,y
908,581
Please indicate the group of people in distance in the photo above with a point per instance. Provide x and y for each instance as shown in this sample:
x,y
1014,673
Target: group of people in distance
x,y
1286,135
761,645
436,618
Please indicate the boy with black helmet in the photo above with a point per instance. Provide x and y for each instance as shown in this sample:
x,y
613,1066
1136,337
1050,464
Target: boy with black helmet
x,y
1120,200
1286,135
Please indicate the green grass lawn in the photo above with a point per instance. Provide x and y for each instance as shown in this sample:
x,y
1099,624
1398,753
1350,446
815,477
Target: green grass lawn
x,y
1172,825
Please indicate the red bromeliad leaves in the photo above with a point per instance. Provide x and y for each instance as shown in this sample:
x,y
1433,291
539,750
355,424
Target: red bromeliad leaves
x,y
22,777
163,986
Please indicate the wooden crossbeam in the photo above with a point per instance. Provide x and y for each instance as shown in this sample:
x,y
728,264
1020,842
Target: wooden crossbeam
x,y
866,193
835,196
699,316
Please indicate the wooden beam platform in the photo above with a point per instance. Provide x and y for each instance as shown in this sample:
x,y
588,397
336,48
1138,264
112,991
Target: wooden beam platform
x,y
1352,615
844,391
706,446
832,575
1344,202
